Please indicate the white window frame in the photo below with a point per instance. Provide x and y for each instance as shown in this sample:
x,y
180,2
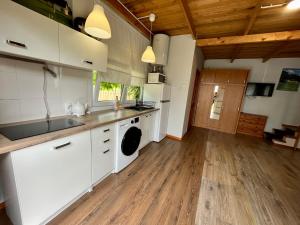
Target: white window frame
x,y
122,99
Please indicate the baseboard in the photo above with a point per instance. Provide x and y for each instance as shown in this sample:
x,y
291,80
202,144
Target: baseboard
x,y
174,137
2,205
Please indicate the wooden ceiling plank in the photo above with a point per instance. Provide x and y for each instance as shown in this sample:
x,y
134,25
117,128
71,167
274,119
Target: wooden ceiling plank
x,y
115,4
248,28
188,17
251,38
275,52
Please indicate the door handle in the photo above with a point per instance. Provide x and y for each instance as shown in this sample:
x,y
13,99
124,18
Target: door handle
x,y
62,146
16,44
106,151
88,62
106,141
106,130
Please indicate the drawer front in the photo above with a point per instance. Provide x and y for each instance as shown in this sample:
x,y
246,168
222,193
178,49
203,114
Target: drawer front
x,y
104,133
51,175
103,150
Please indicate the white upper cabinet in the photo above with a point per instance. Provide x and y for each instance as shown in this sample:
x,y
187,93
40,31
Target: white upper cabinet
x,y
26,33
81,51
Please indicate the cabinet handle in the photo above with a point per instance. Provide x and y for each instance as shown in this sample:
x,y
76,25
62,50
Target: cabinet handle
x,y
106,141
16,44
106,130
88,62
62,146
106,151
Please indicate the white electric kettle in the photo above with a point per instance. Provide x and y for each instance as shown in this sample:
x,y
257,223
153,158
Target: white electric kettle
x,y
79,109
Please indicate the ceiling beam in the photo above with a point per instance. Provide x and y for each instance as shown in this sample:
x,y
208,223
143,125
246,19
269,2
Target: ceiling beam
x,y
275,51
129,17
249,27
251,38
188,17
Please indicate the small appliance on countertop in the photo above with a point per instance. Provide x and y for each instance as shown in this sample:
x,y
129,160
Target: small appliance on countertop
x,y
141,106
16,132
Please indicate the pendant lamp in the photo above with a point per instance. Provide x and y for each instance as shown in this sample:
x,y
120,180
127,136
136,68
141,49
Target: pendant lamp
x,y
97,24
148,55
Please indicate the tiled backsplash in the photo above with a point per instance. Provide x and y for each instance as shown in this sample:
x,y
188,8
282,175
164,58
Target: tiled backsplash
x,y
21,90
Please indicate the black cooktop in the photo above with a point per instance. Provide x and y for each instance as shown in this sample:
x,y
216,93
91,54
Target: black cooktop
x,y
32,129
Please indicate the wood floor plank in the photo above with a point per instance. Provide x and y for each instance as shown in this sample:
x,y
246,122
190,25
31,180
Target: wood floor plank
x,y
209,178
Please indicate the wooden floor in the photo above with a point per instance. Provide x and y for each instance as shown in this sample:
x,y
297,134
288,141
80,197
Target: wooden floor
x,y
244,181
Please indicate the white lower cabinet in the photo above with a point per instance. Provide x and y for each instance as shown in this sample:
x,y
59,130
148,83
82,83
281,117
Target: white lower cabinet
x,y
147,127
42,179
103,148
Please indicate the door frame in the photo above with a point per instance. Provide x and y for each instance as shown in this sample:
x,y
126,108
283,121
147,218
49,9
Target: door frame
x,y
194,99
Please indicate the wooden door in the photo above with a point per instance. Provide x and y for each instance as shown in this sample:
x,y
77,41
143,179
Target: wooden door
x,y
231,108
207,76
194,99
222,76
238,76
203,105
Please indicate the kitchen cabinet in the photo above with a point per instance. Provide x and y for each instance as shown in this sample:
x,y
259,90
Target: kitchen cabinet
x,y
103,149
25,33
81,51
147,128
42,179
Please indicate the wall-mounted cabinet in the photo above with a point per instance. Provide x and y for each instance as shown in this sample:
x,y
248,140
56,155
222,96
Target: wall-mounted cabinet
x,y
25,33
81,51
224,76
219,99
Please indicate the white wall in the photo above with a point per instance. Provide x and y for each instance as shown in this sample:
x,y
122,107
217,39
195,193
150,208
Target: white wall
x,y
179,74
21,90
283,106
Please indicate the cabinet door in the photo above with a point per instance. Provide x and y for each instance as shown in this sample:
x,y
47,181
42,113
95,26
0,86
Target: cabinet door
x,y
238,76
103,149
222,76
231,111
207,76
203,106
144,129
26,33
81,51
151,122
50,175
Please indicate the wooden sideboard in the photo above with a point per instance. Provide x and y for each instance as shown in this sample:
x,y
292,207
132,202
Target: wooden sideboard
x,y
252,124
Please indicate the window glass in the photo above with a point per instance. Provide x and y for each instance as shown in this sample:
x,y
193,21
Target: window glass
x,y
108,91
133,93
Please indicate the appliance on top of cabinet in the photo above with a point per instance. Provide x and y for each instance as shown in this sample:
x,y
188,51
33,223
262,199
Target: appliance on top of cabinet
x,y
161,95
156,78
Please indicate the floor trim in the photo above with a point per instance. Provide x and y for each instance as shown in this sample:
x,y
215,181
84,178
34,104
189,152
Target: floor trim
x,y
174,137
2,205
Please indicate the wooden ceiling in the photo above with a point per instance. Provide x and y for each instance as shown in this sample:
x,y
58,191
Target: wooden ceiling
x,y
206,19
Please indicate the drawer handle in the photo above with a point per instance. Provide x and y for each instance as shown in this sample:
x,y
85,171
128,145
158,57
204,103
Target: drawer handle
x,y
62,146
106,141
106,130
16,44
106,151
88,62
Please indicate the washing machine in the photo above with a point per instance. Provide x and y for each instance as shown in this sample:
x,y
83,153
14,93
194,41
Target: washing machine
x,y
128,140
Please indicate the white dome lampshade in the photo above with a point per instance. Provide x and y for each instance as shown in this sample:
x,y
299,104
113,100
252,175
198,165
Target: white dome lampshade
x,y
97,24
148,55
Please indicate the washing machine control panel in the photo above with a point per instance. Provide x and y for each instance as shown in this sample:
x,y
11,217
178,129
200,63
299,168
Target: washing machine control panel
x,y
135,120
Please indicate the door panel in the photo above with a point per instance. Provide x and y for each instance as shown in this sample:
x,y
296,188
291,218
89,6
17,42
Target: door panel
x,y
203,105
222,76
231,111
238,76
207,76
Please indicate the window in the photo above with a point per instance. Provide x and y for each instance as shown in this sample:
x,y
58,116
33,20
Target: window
x,y
105,92
133,93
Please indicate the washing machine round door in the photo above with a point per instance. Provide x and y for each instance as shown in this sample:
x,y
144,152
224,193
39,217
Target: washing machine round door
x,y
131,141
